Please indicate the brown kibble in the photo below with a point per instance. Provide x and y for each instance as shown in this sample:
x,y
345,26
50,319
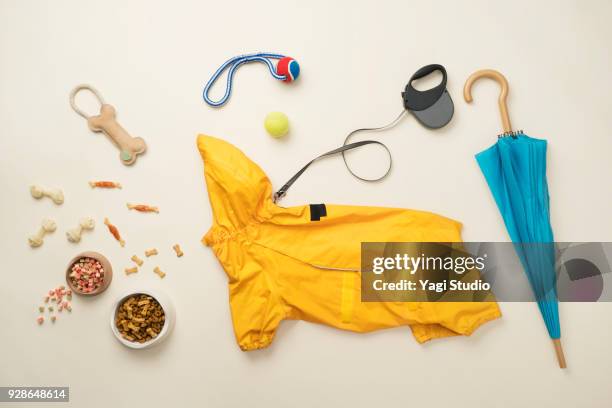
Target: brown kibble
x,y
138,318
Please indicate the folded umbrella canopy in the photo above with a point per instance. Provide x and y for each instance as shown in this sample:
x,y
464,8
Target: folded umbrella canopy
x,y
515,170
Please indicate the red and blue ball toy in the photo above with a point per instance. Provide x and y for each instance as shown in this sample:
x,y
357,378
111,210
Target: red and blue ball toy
x,y
289,68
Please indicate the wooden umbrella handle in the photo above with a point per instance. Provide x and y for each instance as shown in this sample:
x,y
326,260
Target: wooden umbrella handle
x,y
559,351
501,80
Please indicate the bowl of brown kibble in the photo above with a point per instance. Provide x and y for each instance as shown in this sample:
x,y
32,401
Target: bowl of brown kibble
x,y
142,319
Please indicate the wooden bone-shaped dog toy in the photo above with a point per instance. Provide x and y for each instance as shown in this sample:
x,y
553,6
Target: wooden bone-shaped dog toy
x,y
106,122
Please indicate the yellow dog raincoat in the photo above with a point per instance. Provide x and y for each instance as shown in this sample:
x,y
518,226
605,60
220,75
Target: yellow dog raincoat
x,y
303,262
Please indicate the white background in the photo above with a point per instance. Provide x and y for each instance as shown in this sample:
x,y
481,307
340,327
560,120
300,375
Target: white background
x,y
151,59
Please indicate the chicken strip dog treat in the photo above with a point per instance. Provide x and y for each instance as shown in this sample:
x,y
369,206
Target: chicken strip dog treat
x,y
113,230
104,184
142,208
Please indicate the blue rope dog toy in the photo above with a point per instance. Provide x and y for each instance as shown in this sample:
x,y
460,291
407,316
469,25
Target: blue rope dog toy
x,y
287,69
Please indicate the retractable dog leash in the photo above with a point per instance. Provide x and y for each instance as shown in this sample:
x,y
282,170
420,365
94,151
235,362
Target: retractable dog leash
x,y
432,108
287,69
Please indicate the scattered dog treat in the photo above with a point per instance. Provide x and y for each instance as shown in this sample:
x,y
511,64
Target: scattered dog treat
x,y
129,271
178,250
46,227
142,208
151,252
74,235
86,275
140,318
137,260
58,296
113,230
54,194
104,184
159,272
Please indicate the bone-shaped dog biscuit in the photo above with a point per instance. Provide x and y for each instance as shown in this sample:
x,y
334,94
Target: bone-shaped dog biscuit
x,y
46,227
54,194
74,235
106,122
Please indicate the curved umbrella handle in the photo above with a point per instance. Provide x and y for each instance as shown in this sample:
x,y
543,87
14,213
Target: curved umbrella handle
x,y
503,108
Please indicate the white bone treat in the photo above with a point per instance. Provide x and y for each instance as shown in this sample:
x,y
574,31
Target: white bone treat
x,y
74,235
54,194
46,227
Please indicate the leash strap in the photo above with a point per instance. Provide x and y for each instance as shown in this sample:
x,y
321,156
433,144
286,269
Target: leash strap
x,y
342,150
283,190
233,64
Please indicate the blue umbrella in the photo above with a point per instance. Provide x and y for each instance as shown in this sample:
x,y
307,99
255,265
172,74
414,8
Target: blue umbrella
x,y
515,170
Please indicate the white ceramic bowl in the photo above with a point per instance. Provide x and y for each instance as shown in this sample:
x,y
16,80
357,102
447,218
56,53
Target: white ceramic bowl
x,y
169,313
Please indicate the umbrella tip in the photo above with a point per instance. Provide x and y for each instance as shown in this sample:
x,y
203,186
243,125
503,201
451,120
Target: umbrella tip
x,y
559,352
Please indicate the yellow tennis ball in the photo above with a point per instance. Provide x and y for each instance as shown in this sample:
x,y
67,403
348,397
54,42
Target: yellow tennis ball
x,y
277,124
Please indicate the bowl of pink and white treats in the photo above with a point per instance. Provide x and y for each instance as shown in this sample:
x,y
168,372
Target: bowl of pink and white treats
x,y
89,273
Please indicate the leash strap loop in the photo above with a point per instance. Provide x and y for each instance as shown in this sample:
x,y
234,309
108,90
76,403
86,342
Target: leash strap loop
x,y
342,150
283,190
